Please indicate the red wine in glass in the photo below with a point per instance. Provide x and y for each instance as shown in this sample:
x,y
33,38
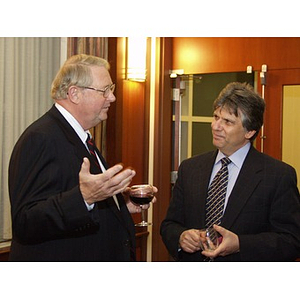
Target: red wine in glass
x,y
142,199
139,195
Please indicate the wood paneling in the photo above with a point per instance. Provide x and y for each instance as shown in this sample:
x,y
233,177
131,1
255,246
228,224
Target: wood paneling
x,y
133,128
214,55
132,134
128,131
141,245
4,253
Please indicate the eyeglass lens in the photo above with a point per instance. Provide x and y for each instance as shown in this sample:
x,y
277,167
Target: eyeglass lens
x,y
109,89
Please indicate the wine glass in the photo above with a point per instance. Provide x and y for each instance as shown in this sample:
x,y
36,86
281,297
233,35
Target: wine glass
x,y
209,240
139,195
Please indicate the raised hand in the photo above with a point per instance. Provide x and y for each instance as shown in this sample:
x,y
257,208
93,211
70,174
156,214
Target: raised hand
x,y
99,187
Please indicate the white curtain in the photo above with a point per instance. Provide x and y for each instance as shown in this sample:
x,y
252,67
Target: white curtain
x,y
27,68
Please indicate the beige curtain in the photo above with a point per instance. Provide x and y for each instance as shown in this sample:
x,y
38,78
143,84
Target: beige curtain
x,y
27,68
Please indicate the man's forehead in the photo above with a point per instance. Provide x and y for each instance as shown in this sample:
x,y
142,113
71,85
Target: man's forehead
x,y
227,113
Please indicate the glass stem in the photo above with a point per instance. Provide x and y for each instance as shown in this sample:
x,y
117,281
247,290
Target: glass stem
x,y
143,215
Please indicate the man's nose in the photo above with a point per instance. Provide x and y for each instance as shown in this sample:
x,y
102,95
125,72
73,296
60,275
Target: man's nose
x,y
216,124
111,97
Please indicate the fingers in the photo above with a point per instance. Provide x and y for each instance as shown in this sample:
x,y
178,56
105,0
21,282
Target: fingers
x,y
118,180
102,186
228,245
155,189
219,229
111,172
190,240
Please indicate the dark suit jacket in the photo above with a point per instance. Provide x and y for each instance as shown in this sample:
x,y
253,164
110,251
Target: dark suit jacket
x,y
263,208
50,220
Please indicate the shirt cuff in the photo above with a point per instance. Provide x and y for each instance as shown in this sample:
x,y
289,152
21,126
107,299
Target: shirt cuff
x,y
88,206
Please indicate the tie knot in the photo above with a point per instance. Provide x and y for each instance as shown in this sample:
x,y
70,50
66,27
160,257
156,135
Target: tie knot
x,y
88,138
90,141
225,161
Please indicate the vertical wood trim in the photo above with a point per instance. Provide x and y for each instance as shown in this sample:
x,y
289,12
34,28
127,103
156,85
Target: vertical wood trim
x,y
176,147
163,147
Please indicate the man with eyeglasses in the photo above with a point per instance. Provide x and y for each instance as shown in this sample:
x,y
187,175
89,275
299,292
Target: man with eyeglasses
x,y
66,203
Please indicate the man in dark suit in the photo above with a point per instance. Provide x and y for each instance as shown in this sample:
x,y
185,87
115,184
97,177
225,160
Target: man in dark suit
x,y
261,211
66,203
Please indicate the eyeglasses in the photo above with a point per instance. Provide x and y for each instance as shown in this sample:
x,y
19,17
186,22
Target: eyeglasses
x,y
105,91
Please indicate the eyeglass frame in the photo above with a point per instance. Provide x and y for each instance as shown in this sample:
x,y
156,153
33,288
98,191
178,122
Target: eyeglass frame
x,y
109,88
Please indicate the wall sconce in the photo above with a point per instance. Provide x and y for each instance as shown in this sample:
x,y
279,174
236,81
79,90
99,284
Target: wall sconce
x,y
136,58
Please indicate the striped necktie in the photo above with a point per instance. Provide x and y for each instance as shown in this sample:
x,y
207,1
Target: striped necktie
x,y
216,195
92,148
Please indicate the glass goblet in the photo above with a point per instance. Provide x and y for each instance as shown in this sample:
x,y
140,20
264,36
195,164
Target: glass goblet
x,y
209,240
139,195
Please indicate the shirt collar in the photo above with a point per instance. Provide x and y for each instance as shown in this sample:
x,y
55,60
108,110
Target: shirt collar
x,y
74,123
237,157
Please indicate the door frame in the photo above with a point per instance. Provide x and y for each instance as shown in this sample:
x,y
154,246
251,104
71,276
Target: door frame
x,y
275,81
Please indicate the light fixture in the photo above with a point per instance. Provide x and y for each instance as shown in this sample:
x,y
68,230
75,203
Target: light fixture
x,y
175,73
136,58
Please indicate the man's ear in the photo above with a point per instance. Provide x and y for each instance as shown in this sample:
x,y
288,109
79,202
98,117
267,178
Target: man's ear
x,y
74,94
250,134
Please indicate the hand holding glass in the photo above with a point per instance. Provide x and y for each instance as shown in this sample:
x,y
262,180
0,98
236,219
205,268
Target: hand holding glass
x,y
209,240
139,195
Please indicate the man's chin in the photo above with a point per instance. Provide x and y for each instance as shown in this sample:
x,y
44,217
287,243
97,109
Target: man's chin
x,y
103,117
216,143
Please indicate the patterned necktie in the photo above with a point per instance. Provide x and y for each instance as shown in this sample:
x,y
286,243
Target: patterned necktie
x,y
216,195
91,145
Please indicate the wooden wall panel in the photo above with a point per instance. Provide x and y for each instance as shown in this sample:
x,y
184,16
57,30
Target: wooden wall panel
x,y
127,130
213,55
163,146
133,129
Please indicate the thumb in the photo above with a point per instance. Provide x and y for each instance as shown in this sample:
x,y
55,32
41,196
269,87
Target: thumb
x,y
85,166
219,229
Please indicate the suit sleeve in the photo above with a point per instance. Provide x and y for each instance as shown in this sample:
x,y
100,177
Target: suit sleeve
x,y
44,204
173,225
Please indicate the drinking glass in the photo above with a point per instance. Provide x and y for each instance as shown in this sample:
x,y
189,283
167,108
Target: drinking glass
x,y
209,241
139,195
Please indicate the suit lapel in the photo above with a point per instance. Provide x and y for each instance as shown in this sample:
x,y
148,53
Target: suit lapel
x,y
246,183
70,134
